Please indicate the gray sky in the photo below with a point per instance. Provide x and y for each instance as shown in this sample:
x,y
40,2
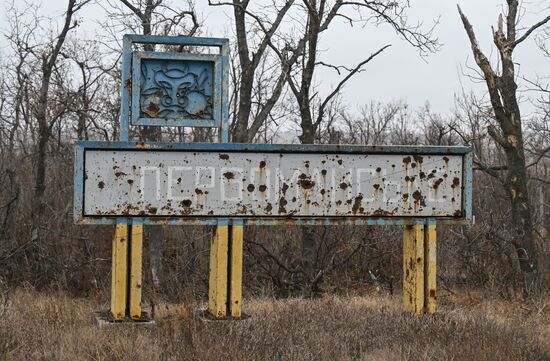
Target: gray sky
x,y
398,73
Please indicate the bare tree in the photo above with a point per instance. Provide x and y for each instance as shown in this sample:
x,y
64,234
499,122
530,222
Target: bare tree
x,y
374,123
508,133
250,60
92,72
49,56
319,14
437,129
18,72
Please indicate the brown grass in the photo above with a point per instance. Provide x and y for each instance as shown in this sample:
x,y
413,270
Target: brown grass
x,y
37,326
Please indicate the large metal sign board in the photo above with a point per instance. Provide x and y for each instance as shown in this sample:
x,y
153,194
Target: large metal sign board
x,y
273,183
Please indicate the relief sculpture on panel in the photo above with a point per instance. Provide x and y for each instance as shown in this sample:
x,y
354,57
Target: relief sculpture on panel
x,y
172,89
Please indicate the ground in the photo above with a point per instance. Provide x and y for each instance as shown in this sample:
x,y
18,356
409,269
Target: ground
x,y
46,326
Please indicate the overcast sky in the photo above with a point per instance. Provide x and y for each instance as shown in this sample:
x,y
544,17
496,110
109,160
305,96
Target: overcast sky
x,y
398,73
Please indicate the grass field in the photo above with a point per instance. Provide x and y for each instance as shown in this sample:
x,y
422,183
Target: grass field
x,y
37,326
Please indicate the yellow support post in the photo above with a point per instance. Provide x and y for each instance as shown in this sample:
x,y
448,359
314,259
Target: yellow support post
x,y
136,253
119,275
413,268
236,269
217,292
430,268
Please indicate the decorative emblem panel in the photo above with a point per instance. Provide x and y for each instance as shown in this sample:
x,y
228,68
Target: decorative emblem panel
x,y
176,89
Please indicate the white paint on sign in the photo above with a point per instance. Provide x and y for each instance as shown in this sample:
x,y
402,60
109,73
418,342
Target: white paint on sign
x,y
203,183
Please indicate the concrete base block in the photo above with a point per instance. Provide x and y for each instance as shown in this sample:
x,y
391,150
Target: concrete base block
x,y
104,318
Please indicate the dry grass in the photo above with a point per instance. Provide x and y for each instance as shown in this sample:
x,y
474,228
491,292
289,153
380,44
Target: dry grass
x,y
36,326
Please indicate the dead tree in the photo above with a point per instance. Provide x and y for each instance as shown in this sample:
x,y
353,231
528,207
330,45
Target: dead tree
x,y
250,61
319,14
94,76
49,58
508,134
373,124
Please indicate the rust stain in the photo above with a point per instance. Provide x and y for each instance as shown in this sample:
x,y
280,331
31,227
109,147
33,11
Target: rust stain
x,y
356,204
285,188
101,185
152,110
250,187
224,156
419,199
306,183
456,182
186,203
229,175
282,203
382,212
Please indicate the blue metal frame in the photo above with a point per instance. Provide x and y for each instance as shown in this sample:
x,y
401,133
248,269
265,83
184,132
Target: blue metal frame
x,y
466,152
221,81
274,148
214,122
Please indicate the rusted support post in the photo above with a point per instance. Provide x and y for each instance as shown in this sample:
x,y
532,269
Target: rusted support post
x,y
119,272
413,268
236,268
420,268
430,267
126,272
136,253
217,292
226,264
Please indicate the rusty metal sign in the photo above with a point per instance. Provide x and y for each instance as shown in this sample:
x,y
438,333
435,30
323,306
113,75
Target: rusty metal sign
x,y
277,182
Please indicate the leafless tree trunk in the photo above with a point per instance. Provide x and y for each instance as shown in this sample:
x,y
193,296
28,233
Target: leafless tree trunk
x,y
249,61
502,88
48,61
